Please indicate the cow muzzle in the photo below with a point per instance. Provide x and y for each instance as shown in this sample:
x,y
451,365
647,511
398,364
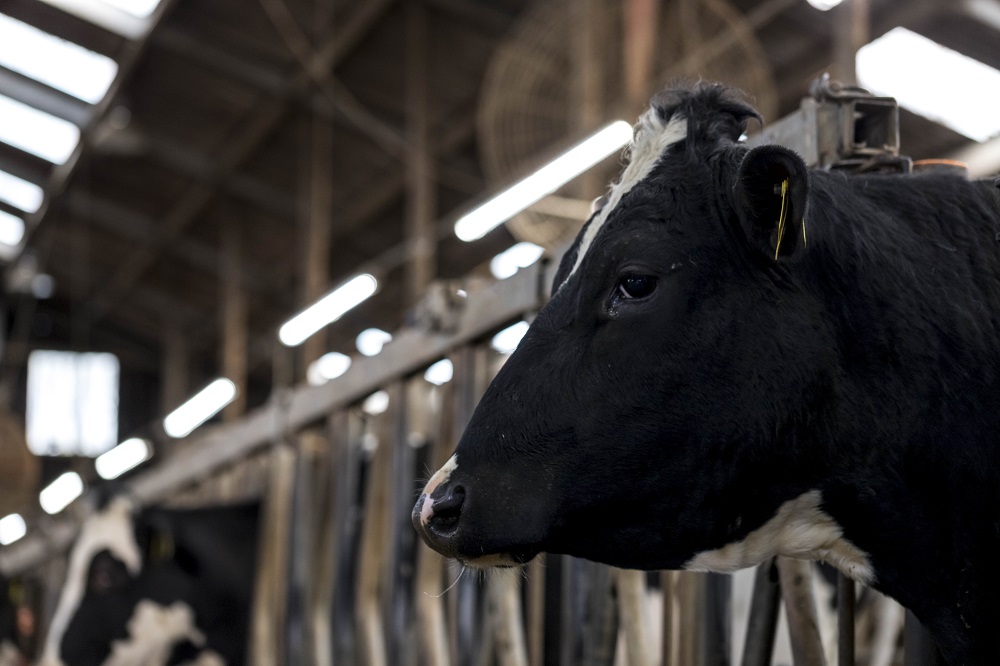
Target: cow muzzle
x,y
436,517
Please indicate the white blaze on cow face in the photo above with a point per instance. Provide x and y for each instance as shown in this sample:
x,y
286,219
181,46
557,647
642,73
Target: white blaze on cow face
x,y
110,530
653,137
153,631
440,476
799,529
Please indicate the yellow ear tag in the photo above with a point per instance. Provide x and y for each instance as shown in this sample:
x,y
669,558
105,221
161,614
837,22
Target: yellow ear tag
x,y
782,217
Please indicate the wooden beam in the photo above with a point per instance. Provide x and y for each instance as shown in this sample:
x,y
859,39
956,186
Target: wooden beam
x,y
421,204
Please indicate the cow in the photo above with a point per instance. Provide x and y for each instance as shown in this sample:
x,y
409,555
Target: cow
x,y
743,358
157,587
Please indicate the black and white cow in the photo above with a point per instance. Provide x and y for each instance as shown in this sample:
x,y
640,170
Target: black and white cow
x,y
157,587
744,358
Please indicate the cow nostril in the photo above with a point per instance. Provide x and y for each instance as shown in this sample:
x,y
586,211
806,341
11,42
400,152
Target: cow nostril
x,y
448,509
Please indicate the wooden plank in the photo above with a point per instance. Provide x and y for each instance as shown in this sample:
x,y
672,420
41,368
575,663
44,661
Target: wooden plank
x,y
234,317
800,609
270,595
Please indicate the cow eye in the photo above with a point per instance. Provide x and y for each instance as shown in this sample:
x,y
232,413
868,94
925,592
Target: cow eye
x,y
633,285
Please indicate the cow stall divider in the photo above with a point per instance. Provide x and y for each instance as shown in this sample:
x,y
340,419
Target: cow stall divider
x,y
343,579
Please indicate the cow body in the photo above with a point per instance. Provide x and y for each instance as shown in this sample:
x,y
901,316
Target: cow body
x,y
744,358
157,587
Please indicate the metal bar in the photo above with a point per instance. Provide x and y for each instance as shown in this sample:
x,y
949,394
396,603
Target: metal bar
x,y
535,612
716,618
668,644
845,620
345,512
762,624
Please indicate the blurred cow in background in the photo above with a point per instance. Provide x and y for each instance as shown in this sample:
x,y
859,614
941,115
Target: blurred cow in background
x,y
157,587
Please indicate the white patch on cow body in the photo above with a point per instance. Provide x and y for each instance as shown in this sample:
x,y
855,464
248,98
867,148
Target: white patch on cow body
x,y
799,529
652,139
111,530
154,630
440,476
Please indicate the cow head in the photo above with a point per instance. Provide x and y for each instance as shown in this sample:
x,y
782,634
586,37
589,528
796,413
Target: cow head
x,y
655,410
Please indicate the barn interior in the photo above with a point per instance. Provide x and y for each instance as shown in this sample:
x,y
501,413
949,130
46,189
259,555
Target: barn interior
x,y
181,178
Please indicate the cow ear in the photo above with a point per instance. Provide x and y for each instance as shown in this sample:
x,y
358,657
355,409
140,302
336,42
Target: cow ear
x,y
772,186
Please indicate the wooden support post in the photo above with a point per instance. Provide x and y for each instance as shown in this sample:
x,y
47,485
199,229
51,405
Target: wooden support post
x,y
852,21
504,591
535,615
174,366
235,337
421,199
270,600
631,586
590,46
317,225
800,609
372,562
642,21
690,595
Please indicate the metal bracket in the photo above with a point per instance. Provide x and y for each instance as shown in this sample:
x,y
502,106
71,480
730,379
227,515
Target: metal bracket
x,y
842,128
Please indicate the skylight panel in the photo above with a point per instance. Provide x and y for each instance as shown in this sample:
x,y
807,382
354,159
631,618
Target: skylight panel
x,y
55,62
933,81
20,193
37,132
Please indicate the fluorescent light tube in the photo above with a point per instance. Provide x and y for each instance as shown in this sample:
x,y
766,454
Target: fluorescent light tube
x,y
55,62
127,455
824,5
371,340
514,258
37,132
327,310
12,528
376,403
327,367
507,340
933,81
440,373
199,408
11,229
20,193
60,493
548,179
